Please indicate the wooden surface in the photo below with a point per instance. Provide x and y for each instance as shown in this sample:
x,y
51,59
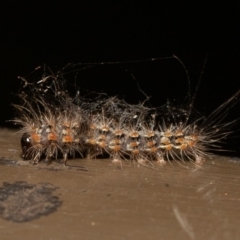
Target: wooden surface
x,y
94,199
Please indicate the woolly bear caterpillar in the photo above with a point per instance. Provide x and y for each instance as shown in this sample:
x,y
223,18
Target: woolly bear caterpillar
x,y
56,125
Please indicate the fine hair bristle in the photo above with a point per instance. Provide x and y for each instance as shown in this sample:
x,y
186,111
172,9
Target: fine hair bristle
x,y
57,125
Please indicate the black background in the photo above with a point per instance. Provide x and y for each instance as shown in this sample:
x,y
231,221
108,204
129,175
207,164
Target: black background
x,y
56,33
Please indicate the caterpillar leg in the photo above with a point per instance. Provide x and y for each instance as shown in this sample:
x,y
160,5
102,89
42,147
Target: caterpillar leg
x,y
65,158
161,161
199,160
37,157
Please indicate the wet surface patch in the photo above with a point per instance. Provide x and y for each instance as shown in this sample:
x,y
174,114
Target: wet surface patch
x,y
22,202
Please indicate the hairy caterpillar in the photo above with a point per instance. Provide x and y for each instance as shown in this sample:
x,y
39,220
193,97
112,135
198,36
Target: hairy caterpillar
x,y
56,125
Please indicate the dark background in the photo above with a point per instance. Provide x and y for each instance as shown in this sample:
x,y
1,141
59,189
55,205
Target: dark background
x,y
57,33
